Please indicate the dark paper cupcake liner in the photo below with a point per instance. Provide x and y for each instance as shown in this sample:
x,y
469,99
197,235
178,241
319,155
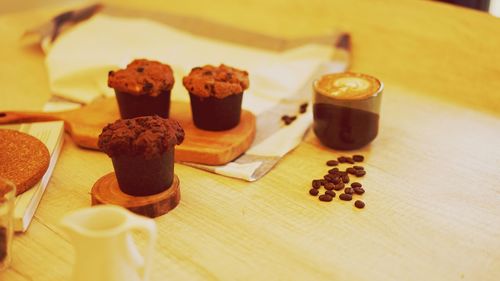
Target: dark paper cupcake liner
x,y
132,106
138,176
214,114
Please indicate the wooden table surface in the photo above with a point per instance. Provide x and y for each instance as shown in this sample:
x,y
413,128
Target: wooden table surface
x,y
433,182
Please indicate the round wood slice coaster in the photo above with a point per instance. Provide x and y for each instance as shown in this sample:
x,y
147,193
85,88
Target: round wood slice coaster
x,y
107,191
23,159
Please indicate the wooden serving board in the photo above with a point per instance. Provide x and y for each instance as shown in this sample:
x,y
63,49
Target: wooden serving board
x,y
205,147
107,191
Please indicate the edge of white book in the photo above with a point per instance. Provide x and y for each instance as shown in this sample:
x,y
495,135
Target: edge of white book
x,y
52,135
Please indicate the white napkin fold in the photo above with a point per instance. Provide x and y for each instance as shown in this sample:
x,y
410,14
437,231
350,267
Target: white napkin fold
x,y
79,60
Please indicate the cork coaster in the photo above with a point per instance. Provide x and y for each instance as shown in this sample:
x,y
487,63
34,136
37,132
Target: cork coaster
x,y
107,191
23,159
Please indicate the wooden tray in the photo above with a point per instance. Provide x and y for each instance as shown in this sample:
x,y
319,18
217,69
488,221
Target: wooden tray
x,y
205,147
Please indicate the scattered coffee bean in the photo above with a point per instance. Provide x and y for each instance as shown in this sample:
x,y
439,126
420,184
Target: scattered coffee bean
x,y
333,171
349,190
360,173
345,179
356,184
349,160
332,163
336,180
359,204
316,184
303,107
325,198
351,171
339,186
358,190
345,197
330,192
288,119
328,177
329,186
358,158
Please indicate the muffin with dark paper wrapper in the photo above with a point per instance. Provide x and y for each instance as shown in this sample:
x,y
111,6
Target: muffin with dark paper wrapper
x,y
216,95
143,88
142,152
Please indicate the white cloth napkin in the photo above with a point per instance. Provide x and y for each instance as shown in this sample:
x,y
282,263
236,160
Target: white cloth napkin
x,y
79,60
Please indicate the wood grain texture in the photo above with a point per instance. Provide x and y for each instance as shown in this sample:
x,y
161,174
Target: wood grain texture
x,y
85,124
433,181
107,191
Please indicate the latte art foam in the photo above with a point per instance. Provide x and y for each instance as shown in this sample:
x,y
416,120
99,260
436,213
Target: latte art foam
x,y
347,86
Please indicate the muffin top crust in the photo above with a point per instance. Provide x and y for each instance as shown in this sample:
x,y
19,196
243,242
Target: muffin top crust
x,y
148,135
142,77
219,82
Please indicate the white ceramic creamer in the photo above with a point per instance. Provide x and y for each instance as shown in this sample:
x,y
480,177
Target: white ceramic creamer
x,y
104,247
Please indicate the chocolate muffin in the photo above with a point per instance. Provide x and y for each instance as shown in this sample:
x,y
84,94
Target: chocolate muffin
x,y
143,88
142,152
216,94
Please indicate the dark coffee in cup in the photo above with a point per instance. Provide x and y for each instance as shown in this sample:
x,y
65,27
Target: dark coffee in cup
x,y
346,110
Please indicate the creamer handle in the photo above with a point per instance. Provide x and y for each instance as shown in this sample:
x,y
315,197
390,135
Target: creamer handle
x,y
148,226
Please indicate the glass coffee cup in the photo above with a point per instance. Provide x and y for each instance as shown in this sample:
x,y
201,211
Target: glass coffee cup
x,y
7,198
346,109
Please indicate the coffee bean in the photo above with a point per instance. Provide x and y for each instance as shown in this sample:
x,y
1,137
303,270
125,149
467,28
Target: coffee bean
x,y
360,173
356,184
332,163
349,190
342,173
359,204
329,186
345,179
349,160
351,171
330,192
313,191
358,158
303,107
339,186
358,167
336,180
345,197
316,184
359,190
333,171
288,119
341,159
325,198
